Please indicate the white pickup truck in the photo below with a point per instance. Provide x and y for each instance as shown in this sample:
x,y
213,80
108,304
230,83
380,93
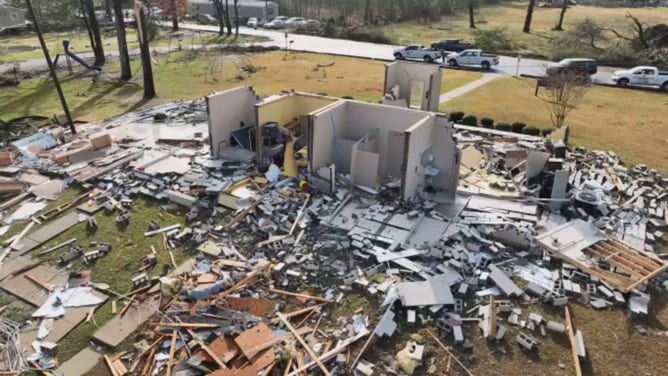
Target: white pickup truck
x,y
472,58
417,51
642,76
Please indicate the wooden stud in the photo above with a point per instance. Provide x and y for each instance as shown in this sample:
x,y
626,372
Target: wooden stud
x,y
571,339
308,348
38,282
172,347
114,307
303,296
449,353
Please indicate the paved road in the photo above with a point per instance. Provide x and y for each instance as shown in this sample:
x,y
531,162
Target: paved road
x,y
507,65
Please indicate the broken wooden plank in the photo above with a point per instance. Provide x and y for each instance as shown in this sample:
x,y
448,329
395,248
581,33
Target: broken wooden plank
x,y
306,346
303,296
114,307
571,339
449,352
188,325
299,312
172,347
110,365
38,282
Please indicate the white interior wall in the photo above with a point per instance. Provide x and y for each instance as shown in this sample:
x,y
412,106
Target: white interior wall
x,y
402,73
447,157
364,168
327,125
227,109
419,139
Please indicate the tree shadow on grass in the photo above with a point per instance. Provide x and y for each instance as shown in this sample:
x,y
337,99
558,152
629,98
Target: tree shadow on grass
x,y
126,88
39,93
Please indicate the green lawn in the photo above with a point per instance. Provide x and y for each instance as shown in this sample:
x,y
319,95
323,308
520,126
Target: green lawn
x,y
631,123
510,16
26,46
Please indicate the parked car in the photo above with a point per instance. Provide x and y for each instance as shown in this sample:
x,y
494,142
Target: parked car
x,y
311,25
642,76
252,22
275,24
472,58
417,51
281,18
296,21
584,67
451,45
206,19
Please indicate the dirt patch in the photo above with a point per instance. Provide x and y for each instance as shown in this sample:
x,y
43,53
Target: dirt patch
x,y
16,49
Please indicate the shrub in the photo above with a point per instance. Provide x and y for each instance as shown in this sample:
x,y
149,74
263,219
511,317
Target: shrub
x,y
517,127
487,122
456,116
531,131
545,132
504,127
470,120
368,35
494,40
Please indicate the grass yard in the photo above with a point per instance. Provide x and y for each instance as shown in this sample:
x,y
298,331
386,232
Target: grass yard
x,y
25,47
510,16
453,79
631,123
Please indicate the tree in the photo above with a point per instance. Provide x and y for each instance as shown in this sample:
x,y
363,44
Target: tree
x,y
527,20
471,15
220,15
560,23
141,10
563,93
94,28
123,55
226,14
173,9
236,18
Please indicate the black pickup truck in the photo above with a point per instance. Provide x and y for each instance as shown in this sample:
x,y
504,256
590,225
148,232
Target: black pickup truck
x,y
451,45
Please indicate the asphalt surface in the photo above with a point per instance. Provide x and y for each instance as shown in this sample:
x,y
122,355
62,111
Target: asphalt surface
x,y
510,66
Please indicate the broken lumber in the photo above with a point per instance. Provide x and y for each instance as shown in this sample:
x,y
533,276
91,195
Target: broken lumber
x,y
303,296
571,339
57,247
38,282
172,347
306,346
449,352
299,312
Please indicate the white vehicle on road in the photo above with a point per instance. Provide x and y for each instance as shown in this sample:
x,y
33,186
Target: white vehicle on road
x,y
296,22
472,58
641,76
417,51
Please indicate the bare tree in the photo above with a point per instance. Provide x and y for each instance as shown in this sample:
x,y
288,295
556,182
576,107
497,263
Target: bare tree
x,y
527,19
123,55
639,39
174,9
141,10
563,93
560,23
220,10
226,14
471,4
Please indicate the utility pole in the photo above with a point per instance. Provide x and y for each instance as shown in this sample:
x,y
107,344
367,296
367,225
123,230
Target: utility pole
x,y
52,69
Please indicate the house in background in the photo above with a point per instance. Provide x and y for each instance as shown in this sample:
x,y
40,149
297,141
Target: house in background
x,y
12,18
267,10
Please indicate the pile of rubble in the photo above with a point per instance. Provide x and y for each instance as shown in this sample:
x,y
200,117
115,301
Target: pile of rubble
x,y
532,222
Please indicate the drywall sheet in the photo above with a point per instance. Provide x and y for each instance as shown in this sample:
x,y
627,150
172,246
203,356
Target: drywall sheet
x,y
364,168
119,327
559,189
229,110
419,141
46,232
403,73
328,126
344,153
446,158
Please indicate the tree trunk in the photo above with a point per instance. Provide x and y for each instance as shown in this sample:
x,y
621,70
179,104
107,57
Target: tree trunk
x,y
560,24
367,11
124,57
236,18
527,20
142,33
86,25
98,49
228,23
175,17
471,15
107,9
218,7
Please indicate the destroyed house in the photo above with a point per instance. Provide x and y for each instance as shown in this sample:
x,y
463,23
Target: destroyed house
x,y
612,261
373,144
